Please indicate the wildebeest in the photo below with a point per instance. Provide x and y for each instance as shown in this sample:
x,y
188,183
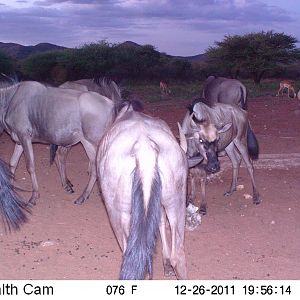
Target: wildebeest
x,y
286,84
192,138
74,86
224,90
197,177
32,112
103,86
142,172
217,128
12,207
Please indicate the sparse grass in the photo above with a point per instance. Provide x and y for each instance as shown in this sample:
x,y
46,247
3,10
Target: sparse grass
x,y
150,91
268,87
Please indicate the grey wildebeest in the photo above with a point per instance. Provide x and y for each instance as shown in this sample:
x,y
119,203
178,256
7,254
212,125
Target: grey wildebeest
x,y
217,128
12,208
32,112
102,86
142,172
224,90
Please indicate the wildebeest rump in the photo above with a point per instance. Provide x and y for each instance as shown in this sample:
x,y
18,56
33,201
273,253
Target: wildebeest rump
x,y
224,90
143,171
32,112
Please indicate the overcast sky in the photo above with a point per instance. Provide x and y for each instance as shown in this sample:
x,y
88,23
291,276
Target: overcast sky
x,y
177,27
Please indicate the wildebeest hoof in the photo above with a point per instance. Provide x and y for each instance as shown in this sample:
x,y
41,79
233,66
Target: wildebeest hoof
x,y
203,210
79,201
69,183
31,202
256,200
168,269
68,189
228,193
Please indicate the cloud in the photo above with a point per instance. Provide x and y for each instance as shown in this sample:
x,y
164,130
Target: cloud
x,y
163,23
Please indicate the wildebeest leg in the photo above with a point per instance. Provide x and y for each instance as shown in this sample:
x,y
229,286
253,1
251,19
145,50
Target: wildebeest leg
x,y
191,198
176,217
168,269
29,158
203,179
60,161
198,174
91,153
244,152
15,157
235,158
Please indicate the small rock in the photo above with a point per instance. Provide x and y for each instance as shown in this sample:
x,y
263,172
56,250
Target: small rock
x,y
193,217
240,187
272,222
247,196
191,208
47,243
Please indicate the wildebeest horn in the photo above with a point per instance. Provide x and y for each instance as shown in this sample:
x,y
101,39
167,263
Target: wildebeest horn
x,y
182,138
191,123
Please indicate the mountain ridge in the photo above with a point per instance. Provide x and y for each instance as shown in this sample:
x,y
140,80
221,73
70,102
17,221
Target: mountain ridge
x,y
19,52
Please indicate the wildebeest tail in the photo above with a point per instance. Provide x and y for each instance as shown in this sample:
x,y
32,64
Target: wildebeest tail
x,y
53,149
137,259
252,143
12,208
243,99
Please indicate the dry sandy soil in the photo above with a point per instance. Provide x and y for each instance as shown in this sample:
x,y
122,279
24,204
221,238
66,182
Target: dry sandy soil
x,y
236,240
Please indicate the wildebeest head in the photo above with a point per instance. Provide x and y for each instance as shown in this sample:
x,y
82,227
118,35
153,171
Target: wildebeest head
x,y
201,137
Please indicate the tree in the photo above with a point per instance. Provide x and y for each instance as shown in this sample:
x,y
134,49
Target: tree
x,y
6,64
255,53
41,66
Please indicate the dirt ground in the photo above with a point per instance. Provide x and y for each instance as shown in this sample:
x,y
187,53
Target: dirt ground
x,y
236,240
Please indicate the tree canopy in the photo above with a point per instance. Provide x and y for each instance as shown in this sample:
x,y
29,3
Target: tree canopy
x,y
254,53
117,61
6,64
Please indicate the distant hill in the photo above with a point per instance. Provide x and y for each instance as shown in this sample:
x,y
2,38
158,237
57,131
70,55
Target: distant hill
x,y
130,44
20,52
194,58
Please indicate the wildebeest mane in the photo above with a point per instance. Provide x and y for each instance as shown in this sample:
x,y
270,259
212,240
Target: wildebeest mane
x,y
197,100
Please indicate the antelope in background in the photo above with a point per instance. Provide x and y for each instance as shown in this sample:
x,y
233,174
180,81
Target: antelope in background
x,y
164,89
286,84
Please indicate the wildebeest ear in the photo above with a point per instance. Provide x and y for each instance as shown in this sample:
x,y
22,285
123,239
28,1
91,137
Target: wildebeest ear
x,y
225,128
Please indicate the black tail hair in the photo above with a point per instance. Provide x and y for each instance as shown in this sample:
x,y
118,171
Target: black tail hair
x,y
243,100
137,260
252,143
12,208
53,149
